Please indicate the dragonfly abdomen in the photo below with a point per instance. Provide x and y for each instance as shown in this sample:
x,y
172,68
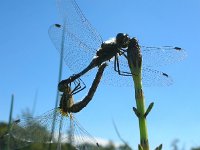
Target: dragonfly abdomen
x,y
80,105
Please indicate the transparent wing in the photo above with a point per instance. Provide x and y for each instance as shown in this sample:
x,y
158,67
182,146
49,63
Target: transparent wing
x,y
157,56
77,24
76,36
38,130
150,77
77,54
33,130
81,138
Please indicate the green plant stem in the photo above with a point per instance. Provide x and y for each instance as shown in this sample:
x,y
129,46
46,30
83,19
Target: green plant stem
x,y
59,79
140,103
135,64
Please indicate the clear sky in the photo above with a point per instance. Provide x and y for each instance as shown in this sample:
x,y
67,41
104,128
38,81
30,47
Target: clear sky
x,y
29,62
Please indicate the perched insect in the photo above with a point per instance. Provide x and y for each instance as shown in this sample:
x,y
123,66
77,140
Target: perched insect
x,y
38,130
84,49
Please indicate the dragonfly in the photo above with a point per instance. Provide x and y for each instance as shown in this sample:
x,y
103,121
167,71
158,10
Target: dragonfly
x,y
37,130
84,49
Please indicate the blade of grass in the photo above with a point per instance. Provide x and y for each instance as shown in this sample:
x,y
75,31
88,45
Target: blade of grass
x,y
10,121
34,102
118,134
59,79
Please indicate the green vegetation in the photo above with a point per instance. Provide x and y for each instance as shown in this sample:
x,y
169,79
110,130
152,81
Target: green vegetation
x,y
66,146
42,146
26,133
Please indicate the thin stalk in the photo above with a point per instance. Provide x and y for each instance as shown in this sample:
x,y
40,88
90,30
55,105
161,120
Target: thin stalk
x,y
34,102
118,134
59,79
10,121
59,145
135,65
71,132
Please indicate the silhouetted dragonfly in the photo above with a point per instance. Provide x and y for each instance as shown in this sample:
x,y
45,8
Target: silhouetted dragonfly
x,y
85,49
37,130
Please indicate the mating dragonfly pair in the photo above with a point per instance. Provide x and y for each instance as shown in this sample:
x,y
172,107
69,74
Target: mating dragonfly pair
x,y
84,49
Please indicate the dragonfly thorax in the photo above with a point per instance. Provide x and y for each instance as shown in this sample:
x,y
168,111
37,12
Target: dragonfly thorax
x,y
112,48
66,102
107,52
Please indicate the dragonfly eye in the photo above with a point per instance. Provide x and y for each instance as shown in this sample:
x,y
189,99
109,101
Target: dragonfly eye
x,y
122,40
125,41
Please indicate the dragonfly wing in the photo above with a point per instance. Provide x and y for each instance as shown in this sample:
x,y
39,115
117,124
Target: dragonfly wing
x,y
150,77
157,56
77,37
76,53
77,23
111,77
38,130
81,138
33,130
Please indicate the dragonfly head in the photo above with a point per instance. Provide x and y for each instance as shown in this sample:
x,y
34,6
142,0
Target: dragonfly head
x,y
122,40
64,87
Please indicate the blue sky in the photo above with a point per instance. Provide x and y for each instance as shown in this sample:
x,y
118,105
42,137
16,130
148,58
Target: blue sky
x,y
29,63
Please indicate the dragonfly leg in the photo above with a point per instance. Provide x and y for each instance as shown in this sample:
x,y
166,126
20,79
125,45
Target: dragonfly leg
x,y
78,86
117,68
125,55
83,103
64,83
